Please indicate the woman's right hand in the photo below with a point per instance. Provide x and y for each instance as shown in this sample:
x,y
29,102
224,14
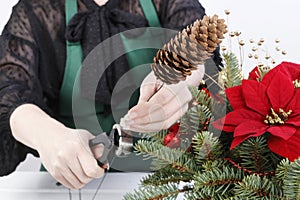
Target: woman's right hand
x,y
64,152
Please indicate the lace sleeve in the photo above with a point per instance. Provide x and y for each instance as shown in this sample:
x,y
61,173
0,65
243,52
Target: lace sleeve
x,y
18,84
177,14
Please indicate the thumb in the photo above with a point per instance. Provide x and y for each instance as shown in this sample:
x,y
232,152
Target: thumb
x,y
98,150
146,91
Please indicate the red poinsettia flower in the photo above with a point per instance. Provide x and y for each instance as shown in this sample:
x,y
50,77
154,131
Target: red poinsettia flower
x,y
254,74
270,106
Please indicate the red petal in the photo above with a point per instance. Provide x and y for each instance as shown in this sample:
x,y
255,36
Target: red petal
x,y
283,131
254,74
270,75
237,140
291,69
250,127
294,119
236,117
256,97
280,91
235,97
242,115
286,148
294,103
220,124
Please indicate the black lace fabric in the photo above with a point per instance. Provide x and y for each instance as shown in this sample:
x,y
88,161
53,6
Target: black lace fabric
x,y
32,64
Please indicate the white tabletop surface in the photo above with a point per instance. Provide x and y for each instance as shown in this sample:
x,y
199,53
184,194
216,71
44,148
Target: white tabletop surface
x,y
41,186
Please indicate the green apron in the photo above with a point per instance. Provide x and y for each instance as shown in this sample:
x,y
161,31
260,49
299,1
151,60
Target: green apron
x,y
70,90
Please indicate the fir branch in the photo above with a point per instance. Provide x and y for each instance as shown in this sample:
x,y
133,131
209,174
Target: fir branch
x,y
164,156
256,187
210,165
168,191
218,182
154,136
231,73
195,119
166,175
206,147
291,181
201,96
218,177
281,171
255,155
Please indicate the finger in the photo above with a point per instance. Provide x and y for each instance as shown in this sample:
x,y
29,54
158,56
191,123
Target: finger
x,y
147,90
157,126
62,180
159,113
98,150
72,178
89,164
86,157
77,170
159,99
147,87
163,97
154,112
65,176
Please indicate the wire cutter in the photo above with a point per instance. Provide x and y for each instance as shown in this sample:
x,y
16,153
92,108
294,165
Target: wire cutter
x,y
120,146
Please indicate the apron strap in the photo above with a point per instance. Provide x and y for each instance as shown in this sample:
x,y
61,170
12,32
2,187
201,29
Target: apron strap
x,y
73,63
150,13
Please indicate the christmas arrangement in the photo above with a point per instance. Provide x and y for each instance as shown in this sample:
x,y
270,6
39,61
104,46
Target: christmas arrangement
x,y
240,143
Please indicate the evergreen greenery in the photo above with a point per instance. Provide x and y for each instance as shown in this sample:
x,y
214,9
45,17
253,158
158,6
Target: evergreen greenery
x,y
202,167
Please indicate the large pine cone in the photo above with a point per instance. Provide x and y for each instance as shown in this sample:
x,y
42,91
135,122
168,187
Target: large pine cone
x,y
189,48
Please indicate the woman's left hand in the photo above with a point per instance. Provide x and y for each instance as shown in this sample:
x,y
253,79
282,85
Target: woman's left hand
x,y
157,110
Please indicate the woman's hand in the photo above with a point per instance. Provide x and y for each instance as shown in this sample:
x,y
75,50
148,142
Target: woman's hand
x,y
64,152
157,110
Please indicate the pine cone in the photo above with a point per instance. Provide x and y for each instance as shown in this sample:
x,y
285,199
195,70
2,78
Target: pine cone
x,y
189,48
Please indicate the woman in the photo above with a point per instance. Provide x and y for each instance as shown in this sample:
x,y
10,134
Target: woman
x,y
32,73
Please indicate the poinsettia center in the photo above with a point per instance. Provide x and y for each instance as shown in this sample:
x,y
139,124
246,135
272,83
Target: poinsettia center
x,y
296,83
277,118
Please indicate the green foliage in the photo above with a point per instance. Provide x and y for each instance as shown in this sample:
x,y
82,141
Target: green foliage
x,y
281,171
256,187
166,175
231,73
205,165
165,156
291,181
201,97
217,182
206,147
255,155
167,191
195,119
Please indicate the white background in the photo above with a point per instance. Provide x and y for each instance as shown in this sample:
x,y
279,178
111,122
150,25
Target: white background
x,y
255,19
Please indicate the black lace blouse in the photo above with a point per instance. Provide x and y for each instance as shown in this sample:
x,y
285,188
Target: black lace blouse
x,y
33,52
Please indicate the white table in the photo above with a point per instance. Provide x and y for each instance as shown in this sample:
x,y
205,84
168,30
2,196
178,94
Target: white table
x,y
41,186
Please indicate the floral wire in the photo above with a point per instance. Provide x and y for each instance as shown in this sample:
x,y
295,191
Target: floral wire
x,y
99,185
70,194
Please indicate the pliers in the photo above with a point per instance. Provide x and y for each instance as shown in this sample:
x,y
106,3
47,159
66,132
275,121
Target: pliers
x,y
120,147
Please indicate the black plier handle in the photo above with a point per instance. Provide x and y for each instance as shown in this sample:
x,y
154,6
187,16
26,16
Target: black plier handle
x,y
122,147
107,142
